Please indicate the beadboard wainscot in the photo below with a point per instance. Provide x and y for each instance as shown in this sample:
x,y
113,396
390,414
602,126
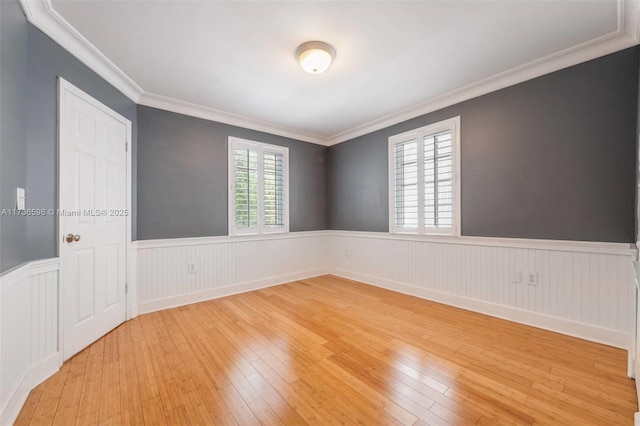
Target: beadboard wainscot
x,y
30,350
221,266
634,352
584,289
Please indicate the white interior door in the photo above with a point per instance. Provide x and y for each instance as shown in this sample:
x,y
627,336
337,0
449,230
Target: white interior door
x,y
92,217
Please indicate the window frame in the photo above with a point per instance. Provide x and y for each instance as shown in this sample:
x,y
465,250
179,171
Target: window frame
x,y
261,148
453,125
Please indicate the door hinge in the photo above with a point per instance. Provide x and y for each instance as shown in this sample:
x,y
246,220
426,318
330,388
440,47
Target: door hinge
x,y
126,147
126,289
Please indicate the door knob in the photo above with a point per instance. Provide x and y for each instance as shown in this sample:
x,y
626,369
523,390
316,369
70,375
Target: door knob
x,y
71,238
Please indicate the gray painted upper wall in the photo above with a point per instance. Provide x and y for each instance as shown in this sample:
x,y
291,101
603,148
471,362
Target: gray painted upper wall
x,y
13,71
182,176
550,158
47,60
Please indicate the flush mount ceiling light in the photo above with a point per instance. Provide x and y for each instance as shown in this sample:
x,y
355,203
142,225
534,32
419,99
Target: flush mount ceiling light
x,y
315,56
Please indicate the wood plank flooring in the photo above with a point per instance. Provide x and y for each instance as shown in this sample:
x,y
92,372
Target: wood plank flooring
x,y
333,351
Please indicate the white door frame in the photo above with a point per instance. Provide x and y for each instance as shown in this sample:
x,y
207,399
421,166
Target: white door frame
x,y
65,87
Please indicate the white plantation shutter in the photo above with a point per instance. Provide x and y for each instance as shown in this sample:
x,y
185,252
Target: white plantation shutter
x,y
406,185
246,188
274,205
258,187
423,180
438,181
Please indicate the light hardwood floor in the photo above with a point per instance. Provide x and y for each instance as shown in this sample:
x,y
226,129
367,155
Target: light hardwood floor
x,y
333,351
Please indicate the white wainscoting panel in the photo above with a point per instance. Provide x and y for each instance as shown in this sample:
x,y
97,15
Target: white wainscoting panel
x,y
584,289
634,352
224,266
29,351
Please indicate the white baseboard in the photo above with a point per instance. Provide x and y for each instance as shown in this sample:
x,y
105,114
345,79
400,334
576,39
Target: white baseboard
x,y
215,293
580,330
32,378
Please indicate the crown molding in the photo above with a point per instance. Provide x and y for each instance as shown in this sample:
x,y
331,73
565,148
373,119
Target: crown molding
x,y
42,14
627,35
212,114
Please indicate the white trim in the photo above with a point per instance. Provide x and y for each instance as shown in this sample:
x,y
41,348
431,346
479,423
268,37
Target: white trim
x,y
452,125
224,239
132,282
32,378
215,293
15,275
212,114
626,35
131,272
621,249
584,52
42,14
65,87
571,328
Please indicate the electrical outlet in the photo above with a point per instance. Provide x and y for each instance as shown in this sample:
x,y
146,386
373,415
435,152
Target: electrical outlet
x,y
517,277
532,278
192,267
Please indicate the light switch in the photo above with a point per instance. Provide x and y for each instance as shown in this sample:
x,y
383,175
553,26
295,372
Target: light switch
x,y
20,200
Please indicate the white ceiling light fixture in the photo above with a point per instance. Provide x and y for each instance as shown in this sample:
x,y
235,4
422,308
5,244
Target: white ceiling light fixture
x,y
315,56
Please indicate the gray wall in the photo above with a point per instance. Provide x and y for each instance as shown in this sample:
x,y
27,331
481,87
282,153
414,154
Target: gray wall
x,y
550,158
47,60
182,176
13,71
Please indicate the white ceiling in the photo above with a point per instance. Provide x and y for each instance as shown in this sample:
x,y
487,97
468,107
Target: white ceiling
x,y
238,56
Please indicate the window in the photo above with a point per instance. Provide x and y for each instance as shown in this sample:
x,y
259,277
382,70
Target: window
x,y
258,188
424,194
